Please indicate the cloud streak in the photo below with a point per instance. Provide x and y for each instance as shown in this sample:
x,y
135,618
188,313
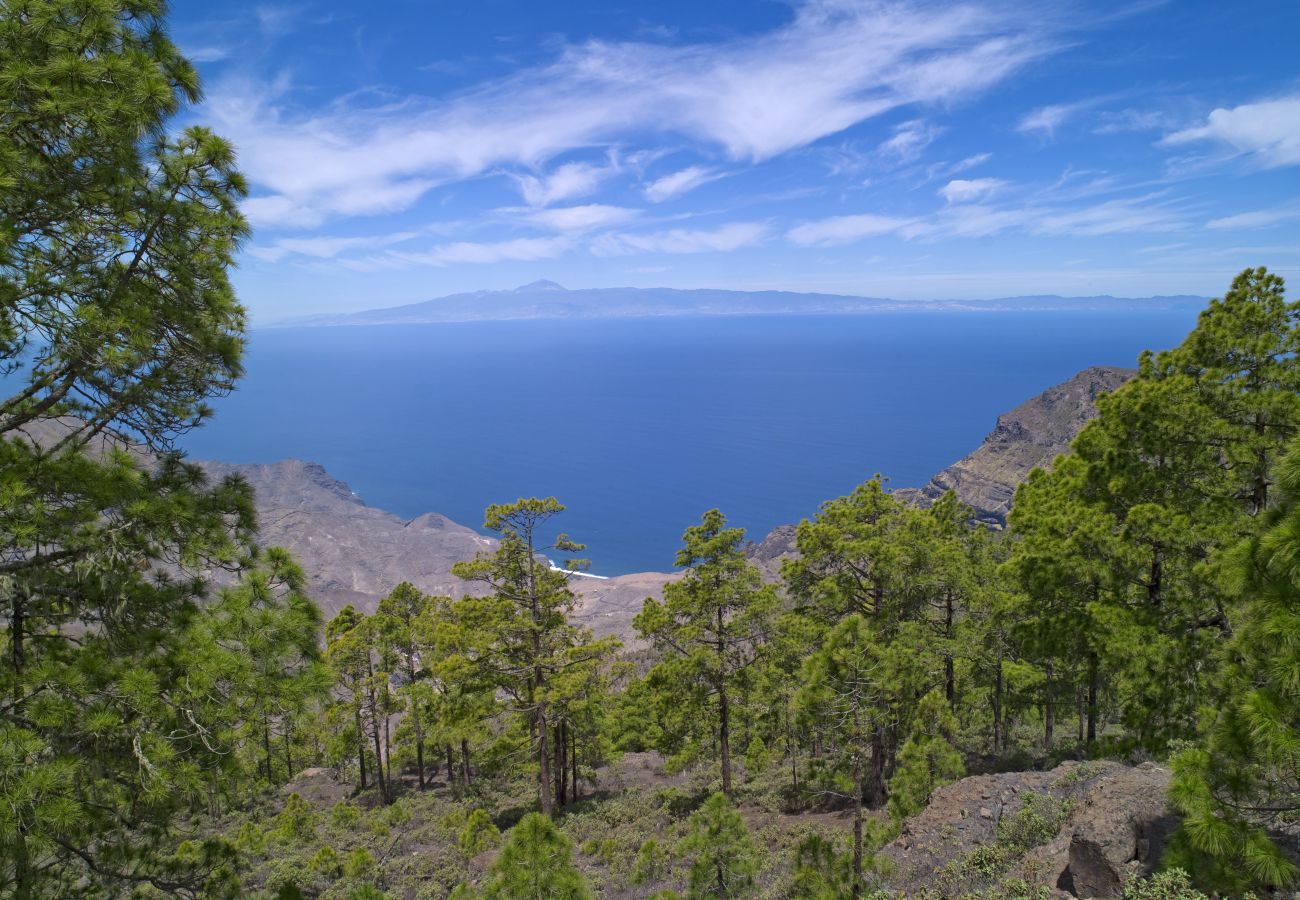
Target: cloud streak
x,y
1268,133
836,64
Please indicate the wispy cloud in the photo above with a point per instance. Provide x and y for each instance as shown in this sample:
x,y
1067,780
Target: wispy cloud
x,y
909,140
1268,132
1046,119
581,218
1260,218
961,190
1148,213
837,63
682,240
570,180
325,247
839,230
679,182
523,249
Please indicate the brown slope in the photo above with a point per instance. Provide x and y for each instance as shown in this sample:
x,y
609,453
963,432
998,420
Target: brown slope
x,y
1031,435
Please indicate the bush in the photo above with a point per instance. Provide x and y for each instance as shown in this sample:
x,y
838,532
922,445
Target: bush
x,y
479,834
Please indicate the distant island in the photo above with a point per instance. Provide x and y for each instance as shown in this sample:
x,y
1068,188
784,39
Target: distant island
x,y
548,300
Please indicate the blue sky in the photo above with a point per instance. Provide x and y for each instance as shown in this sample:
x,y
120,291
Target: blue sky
x,y
404,150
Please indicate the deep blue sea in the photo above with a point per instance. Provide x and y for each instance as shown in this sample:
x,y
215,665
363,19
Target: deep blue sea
x,y
640,425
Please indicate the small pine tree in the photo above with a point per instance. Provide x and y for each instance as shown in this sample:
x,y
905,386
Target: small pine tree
x,y
757,759
822,871
535,864
479,834
722,856
651,862
927,760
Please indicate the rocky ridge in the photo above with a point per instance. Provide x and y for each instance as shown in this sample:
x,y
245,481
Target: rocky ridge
x,y
1078,830
354,553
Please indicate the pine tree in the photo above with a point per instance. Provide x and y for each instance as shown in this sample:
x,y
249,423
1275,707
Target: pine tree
x,y
1241,781
722,856
522,630
117,314
710,623
928,758
535,864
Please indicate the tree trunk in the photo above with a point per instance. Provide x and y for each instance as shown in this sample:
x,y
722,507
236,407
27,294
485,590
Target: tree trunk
x,y
266,750
361,746
876,794
543,760
419,757
561,766
1092,697
464,762
573,762
724,710
379,764
1049,709
997,705
288,749
949,667
858,789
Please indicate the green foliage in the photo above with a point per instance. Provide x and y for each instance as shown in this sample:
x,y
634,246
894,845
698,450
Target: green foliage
x,y
1171,884
709,628
822,870
297,821
651,862
1241,780
723,859
757,759
479,834
927,760
359,863
535,864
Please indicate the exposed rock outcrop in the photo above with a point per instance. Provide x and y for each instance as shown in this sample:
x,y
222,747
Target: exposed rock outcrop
x,y
1031,435
1080,829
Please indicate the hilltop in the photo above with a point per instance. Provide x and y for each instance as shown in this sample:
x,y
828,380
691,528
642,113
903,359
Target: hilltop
x,y
548,300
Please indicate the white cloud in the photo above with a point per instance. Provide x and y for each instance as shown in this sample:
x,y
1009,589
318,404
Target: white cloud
x,y
837,63
839,230
681,240
1260,218
1047,119
975,220
679,183
581,218
325,247
206,54
1268,132
910,140
961,190
518,249
1122,216
566,182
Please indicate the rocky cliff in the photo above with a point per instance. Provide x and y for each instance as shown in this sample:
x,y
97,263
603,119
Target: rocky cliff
x,y
356,554
1031,435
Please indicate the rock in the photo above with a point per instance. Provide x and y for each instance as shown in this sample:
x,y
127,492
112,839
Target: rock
x,y
1113,821
1031,435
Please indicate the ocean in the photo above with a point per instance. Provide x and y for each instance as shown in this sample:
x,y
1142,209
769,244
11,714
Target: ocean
x,y
640,425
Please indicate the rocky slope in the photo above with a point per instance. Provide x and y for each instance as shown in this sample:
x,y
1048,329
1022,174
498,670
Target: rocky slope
x,y
355,554
1078,830
1031,435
